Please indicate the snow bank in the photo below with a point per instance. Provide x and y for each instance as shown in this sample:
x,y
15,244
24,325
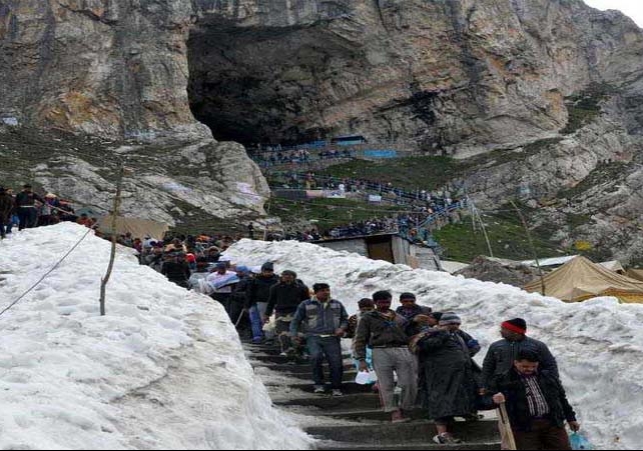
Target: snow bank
x,y
163,370
599,343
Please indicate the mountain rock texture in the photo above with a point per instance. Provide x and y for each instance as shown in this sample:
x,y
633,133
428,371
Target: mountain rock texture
x,y
549,91
115,70
464,75
543,97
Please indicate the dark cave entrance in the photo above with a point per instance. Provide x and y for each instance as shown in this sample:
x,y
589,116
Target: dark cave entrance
x,y
270,85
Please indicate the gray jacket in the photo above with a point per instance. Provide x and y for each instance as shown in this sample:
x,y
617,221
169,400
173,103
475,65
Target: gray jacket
x,y
501,356
320,318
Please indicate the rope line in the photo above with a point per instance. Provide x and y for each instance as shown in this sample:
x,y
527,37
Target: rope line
x,y
47,274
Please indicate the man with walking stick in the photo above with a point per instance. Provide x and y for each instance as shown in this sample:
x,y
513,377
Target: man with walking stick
x,y
533,406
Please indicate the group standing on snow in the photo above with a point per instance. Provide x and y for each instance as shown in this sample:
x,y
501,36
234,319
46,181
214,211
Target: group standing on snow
x,y
422,355
27,210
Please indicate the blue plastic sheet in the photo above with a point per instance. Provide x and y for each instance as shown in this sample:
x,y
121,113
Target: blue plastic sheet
x,y
579,441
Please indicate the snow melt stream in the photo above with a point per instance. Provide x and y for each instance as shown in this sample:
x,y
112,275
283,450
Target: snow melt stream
x,y
163,370
598,343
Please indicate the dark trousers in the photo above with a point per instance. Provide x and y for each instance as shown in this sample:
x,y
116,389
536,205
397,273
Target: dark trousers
x,y
180,282
543,436
330,348
225,299
28,218
4,229
236,310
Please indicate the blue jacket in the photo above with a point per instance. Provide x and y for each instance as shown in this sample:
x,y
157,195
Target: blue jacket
x,y
319,318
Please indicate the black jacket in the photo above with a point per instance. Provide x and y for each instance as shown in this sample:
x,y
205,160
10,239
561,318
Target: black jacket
x,y
176,272
285,298
240,290
6,208
259,290
501,356
511,385
24,199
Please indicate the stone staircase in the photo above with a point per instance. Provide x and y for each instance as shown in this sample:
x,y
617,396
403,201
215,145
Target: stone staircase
x,y
355,421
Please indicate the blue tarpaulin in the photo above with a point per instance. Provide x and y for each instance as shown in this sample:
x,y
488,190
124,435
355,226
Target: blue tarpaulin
x,y
380,153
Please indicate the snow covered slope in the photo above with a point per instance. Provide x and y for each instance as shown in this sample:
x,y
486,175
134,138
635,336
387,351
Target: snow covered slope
x,y
164,369
599,343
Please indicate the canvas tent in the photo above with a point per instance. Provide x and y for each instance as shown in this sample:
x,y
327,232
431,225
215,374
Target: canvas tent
x,y
636,274
580,279
139,228
615,266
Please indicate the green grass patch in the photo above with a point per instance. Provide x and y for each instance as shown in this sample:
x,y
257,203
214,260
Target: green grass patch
x,y
574,220
506,234
327,213
409,173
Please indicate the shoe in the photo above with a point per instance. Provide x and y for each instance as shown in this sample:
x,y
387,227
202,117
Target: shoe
x,y
398,417
283,354
319,389
446,439
337,393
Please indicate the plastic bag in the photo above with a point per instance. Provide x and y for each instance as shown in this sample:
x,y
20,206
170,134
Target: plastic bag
x,y
366,378
270,326
579,441
363,378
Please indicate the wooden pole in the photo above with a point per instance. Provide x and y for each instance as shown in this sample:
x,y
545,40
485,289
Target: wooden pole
x,y
533,248
112,257
476,215
486,236
505,424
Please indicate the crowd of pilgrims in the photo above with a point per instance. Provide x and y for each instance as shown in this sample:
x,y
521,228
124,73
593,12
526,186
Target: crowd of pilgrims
x,y
27,209
424,353
298,156
428,201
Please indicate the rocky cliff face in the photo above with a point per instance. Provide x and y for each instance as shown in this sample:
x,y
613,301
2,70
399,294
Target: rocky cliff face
x,y
465,76
552,87
116,70
105,67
